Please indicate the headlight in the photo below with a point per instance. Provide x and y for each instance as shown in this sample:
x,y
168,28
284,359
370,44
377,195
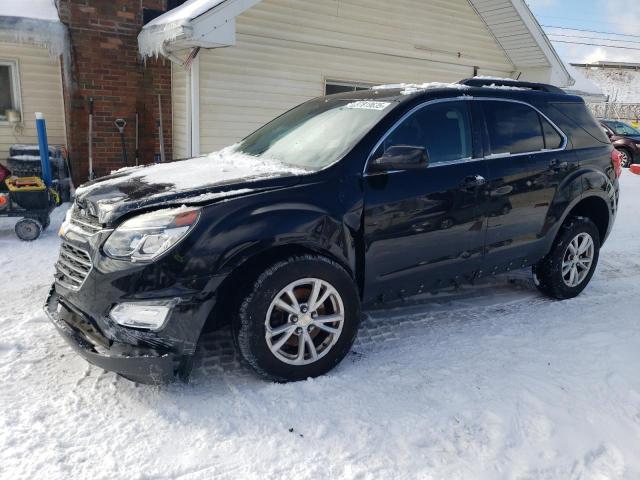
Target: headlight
x,y
147,236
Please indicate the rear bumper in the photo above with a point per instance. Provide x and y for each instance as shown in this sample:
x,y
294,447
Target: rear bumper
x,y
143,365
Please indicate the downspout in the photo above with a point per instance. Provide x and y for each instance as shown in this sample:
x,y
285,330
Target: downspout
x,y
194,98
193,109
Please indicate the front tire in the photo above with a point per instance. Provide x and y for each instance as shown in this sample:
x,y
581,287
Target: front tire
x,y
569,266
299,320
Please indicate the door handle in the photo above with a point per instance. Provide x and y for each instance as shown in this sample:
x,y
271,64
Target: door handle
x,y
557,165
474,181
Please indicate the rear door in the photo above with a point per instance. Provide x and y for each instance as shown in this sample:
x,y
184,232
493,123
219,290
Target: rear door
x,y
526,161
424,228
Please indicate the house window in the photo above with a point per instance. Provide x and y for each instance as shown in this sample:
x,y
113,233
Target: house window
x,y
331,87
9,94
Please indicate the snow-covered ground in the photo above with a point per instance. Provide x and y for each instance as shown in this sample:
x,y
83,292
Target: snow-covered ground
x,y
492,381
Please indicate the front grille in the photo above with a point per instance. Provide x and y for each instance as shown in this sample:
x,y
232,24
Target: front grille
x,y
83,220
72,267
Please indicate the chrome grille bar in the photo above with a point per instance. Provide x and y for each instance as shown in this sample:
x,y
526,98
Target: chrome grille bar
x,y
73,267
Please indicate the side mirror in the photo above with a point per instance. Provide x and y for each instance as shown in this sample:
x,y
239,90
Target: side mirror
x,y
401,157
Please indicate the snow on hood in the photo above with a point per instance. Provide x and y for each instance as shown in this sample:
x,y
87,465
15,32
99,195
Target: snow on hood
x,y
409,88
218,168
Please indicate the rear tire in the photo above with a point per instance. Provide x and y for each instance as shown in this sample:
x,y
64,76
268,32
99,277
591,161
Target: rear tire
x,y
626,158
569,266
309,343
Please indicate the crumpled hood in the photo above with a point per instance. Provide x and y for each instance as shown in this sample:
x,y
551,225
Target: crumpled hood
x,y
199,180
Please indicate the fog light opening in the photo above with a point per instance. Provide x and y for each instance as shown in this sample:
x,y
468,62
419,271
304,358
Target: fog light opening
x,y
143,316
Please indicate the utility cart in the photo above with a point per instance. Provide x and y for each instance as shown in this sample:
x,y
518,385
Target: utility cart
x,y
22,194
31,199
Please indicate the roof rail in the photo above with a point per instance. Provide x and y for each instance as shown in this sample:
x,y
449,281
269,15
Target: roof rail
x,y
501,82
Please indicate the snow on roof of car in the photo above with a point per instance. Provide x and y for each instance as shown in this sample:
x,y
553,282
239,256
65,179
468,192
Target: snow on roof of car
x,y
409,88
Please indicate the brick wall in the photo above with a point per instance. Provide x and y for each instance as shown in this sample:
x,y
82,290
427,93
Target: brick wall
x,y
106,66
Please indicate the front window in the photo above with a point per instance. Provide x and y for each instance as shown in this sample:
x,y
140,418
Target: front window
x,y
315,134
621,128
442,129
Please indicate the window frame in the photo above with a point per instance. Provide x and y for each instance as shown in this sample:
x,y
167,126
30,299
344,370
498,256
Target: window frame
x,y
469,123
541,117
16,96
483,134
416,109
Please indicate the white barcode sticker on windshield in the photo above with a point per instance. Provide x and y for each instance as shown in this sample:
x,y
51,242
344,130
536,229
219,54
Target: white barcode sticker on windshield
x,y
368,105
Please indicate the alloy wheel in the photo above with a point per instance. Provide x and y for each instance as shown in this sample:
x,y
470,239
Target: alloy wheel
x,y
624,159
304,321
577,260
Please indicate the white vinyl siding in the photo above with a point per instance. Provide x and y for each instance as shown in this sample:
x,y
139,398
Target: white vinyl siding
x,y
40,81
180,99
286,50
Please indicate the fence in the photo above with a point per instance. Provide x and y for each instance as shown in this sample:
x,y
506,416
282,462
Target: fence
x,y
629,112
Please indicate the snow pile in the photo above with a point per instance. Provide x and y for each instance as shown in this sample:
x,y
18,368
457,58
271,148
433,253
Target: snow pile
x,y
583,85
33,22
620,85
218,168
168,27
486,382
410,88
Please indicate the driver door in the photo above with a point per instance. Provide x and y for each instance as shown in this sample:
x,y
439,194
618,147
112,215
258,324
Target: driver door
x,y
423,228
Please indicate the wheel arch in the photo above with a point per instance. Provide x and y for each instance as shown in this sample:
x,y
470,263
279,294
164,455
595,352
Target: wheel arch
x,y
595,208
245,267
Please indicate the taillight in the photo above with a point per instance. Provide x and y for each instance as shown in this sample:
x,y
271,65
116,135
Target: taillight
x,y
616,161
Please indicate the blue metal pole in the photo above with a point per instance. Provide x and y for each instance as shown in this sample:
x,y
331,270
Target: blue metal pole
x,y
41,127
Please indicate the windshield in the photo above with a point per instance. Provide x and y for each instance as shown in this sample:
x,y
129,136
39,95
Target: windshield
x,y
315,134
621,128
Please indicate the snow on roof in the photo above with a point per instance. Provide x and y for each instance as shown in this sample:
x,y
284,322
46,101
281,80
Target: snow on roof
x,y
33,22
39,9
168,27
183,14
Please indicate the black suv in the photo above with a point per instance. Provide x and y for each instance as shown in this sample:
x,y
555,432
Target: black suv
x,y
349,200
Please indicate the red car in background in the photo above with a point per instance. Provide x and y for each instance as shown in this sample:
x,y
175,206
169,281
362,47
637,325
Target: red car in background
x,y
625,139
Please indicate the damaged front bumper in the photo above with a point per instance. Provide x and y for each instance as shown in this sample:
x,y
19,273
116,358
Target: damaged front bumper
x,y
148,365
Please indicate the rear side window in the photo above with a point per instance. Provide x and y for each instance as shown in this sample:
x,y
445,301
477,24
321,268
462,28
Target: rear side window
x,y
443,129
513,128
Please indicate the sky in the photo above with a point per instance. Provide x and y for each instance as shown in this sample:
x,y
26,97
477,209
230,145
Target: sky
x,y
621,18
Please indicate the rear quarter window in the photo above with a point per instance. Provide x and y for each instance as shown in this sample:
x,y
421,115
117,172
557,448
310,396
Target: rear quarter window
x,y
576,120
